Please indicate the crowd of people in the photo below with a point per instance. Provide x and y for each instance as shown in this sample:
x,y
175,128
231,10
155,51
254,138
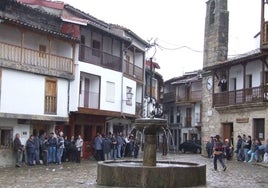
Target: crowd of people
x,y
250,150
47,149
247,150
115,146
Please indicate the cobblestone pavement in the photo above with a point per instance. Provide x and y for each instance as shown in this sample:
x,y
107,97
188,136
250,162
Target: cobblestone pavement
x,y
238,174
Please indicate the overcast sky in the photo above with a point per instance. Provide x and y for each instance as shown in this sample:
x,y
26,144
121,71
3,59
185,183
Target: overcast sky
x,y
176,23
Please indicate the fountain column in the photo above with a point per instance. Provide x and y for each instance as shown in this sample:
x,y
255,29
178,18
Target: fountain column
x,y
150,127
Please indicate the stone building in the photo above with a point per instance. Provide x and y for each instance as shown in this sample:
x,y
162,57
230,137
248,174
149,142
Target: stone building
x,y
182,108
234,94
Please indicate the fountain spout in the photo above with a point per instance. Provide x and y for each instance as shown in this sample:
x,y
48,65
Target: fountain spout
x,y
150,127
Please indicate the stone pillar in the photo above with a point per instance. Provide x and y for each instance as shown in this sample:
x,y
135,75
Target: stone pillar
x,y
149,154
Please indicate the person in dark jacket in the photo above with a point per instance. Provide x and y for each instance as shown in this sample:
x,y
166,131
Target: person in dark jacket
x,y
52,140
37,149
45,148
218,153
18,149
30,149
106,145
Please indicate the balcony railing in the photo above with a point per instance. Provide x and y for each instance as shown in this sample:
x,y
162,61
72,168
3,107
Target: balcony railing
x,y
89,99
100,58
133,70
50,104
169,97
35,58
193,96
249,95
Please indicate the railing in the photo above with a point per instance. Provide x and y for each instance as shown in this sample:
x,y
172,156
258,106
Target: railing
x,y
133,70
100,58
89,99
169,97
35,58
50,104
249,95
192,97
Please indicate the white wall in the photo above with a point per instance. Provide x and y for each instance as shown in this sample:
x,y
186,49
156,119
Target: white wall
x,y
24,93
253,68
105,75
130,109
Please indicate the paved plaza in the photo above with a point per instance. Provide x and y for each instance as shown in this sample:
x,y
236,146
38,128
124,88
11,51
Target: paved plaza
x,y
238,174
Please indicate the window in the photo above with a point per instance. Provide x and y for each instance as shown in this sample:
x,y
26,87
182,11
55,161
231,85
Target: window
x,y
178,115
249,81
258,128
96,48
171,115
51,96
188,118
266,77
212,13
110,91
6,139
42,51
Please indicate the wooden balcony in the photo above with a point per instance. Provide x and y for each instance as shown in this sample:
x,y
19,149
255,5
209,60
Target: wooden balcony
x,y
35,59
193,96
100,58
238,97
169,97
133,71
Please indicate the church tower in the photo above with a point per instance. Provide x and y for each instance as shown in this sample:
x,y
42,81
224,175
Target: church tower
x,y
216,32
215,52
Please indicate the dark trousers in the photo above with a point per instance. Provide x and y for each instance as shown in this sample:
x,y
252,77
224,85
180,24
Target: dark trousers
x,y
220,158
45,157
78,156
30,157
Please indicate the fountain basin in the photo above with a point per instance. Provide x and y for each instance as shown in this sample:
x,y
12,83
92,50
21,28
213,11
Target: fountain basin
x,y
166,174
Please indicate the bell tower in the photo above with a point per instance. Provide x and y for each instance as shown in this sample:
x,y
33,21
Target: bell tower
x,y
216,32
215,52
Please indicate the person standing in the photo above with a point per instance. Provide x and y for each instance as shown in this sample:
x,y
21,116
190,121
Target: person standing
x,y
120,144
98,147
218,153
52,140
36,149
45,150
114,147
247,147
60,147
18,149
106,145
30,149
238,148
72,150
78,145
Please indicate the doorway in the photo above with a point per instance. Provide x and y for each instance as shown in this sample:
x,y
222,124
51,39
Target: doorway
x,y
228,130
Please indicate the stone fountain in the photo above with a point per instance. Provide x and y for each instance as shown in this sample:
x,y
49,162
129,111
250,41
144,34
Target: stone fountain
x,y
149,172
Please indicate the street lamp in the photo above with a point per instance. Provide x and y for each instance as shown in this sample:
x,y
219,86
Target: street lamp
x,y
129,96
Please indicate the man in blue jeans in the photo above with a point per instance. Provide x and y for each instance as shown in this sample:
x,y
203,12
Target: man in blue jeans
x,y
52,141
60,147
120,144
